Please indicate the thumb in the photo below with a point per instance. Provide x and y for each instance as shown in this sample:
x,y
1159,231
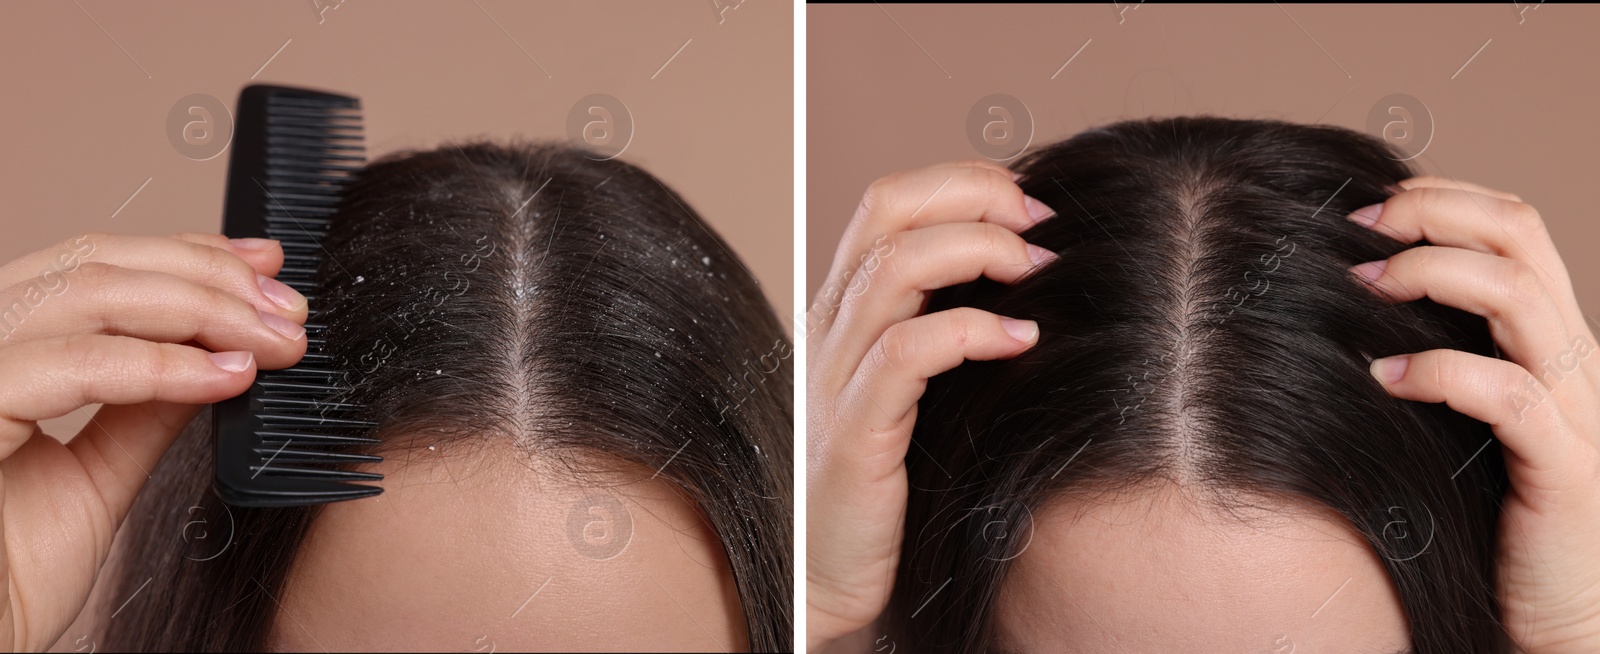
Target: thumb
x,y
129,440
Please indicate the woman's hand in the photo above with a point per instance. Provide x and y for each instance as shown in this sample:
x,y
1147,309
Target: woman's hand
x,y
1491,255
870,355
150,327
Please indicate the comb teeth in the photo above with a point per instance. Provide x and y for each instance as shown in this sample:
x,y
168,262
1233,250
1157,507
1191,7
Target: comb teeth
x,y
286,455
270,436
270,400
280,443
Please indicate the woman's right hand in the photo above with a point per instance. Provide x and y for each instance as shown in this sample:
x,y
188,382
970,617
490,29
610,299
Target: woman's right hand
x,y
870,354
150,327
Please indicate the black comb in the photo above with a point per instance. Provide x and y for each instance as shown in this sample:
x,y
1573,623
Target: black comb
x,y
279,443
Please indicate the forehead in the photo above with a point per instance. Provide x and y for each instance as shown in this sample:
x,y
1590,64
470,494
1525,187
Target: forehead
x,y
1158,569
488,551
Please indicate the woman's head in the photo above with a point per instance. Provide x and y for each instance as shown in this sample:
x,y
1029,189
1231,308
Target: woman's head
x,y
1195,453
584,407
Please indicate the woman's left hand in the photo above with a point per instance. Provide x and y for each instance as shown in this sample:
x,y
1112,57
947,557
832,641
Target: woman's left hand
x,y
1490,254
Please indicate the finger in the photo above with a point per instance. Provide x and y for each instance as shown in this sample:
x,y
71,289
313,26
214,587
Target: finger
x,y
895,372
939,194
1523,319
1502,394
196,262
891,288
1435,181
49,378
265,255
123,443
1456,218
153,306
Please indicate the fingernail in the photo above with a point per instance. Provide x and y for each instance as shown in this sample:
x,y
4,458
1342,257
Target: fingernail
x,y
1036,209
1390,370
1040,255
1367,216
252,243
232,361
1395,189
1022,330
280,293
1016,176
1371,270
285,326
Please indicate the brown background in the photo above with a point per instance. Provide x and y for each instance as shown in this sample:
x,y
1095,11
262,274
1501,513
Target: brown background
x,y
1520,116
87,90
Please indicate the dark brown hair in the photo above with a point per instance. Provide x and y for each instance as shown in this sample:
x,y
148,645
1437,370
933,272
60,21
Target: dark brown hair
x,y
574,306
1201,324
